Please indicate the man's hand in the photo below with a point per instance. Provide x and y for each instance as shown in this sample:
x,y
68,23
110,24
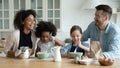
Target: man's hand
x,y
106,61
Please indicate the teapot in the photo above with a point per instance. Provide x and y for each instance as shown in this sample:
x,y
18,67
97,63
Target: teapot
x,y
56,53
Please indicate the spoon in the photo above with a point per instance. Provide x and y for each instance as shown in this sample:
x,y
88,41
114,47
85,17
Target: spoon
x,y
75,49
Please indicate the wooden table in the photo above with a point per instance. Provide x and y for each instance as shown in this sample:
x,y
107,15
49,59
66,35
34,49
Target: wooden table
x,y
37,63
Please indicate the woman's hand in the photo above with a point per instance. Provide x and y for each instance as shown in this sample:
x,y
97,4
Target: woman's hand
x,y
30,51
11,54
106,61
21,56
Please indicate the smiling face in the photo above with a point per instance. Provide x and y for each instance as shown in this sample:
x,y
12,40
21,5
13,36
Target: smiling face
x,y
100,18
76,36
29,22
45,36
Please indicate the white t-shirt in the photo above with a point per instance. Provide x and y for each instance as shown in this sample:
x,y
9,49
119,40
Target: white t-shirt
x,y
46,47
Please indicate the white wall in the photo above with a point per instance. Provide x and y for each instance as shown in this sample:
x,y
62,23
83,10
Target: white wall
x,y
73,13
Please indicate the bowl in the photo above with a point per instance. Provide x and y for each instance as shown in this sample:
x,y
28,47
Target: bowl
x,y
42,55
75,54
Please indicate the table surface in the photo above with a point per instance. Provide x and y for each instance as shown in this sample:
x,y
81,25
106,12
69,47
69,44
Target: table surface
x,y
38,63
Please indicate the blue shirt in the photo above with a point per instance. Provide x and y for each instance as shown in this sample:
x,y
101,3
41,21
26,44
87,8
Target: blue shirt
x,y
110,39
71,47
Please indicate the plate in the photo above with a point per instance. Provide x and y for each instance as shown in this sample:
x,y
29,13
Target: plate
x,y
86,61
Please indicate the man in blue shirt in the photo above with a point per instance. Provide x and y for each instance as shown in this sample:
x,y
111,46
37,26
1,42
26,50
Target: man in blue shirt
x,y
105,31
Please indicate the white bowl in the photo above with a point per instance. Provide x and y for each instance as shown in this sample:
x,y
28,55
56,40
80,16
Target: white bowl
x,y
42,55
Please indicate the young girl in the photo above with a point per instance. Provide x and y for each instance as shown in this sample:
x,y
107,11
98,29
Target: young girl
x,y
46,31
76,34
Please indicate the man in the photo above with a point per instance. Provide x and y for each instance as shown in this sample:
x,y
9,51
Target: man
x,y
106,32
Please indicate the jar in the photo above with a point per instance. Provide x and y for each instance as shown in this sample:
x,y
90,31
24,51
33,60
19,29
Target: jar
x,y
3,41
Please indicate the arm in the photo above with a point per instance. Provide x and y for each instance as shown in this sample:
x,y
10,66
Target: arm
x,y
84,48
22,54
87,33
64,51
8,49
113,47
10,54
78,42
38,49
57,41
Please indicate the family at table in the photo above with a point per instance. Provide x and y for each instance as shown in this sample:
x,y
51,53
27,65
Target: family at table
x,y
104,37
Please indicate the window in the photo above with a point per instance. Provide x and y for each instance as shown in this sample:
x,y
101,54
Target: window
x,y
48,10
18,4
4,15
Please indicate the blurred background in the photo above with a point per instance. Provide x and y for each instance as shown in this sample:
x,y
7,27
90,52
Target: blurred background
x,y
63,13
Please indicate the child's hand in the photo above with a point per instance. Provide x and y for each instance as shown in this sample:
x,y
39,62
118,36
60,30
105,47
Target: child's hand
x,y
38,49
52,38
77,41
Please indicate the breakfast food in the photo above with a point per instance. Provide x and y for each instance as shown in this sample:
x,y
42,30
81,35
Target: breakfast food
x,y
84,57
81,58
84,60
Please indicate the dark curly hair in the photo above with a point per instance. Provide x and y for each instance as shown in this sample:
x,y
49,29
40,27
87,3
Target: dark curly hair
x,y
43,26
20,17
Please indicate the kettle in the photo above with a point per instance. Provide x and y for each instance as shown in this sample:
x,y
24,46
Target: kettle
x,y
56,53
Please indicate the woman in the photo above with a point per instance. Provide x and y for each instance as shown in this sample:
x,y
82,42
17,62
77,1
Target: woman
x,y
23,36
